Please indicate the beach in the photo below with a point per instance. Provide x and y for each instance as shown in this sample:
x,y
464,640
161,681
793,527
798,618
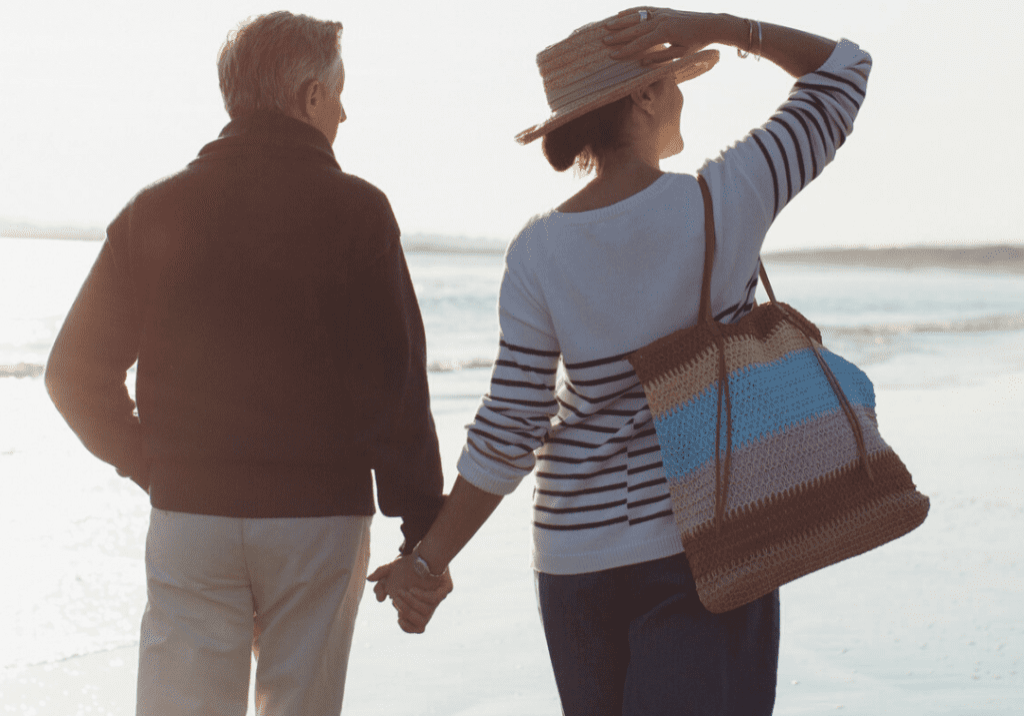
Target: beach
x,y
926,625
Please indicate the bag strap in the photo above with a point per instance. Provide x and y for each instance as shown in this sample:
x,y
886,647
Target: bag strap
x,y
709,252
709,256
723,469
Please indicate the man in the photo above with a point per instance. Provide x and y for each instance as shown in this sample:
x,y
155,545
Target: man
x,y
265,296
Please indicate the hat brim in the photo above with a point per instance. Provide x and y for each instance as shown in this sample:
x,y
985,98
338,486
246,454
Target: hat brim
x,y
683,69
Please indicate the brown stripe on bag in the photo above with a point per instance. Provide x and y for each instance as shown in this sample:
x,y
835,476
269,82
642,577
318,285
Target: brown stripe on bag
x,y
677,351
882,521
788,516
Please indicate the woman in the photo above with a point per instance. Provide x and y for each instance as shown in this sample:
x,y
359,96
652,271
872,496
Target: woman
x,y
613,268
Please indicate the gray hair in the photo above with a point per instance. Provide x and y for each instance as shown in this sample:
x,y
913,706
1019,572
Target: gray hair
x,y
265,62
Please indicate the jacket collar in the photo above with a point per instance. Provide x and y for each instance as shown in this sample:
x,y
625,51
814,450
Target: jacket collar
x,y
271,133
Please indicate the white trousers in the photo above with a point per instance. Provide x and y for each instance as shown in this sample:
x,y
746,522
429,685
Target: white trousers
x,y
219,587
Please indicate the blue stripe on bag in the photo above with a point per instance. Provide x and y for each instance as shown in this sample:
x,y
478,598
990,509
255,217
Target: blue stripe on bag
x,y
801,394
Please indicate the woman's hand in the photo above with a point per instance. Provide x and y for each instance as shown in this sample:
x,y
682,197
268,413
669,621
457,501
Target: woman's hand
x,y
414,597
684,32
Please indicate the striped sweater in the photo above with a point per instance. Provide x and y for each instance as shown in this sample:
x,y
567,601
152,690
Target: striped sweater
x,y
582,290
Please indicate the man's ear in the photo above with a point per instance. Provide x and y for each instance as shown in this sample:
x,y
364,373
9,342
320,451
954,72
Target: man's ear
x,y
308,98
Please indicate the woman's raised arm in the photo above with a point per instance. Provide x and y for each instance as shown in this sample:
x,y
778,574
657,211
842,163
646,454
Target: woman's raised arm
x,y
795,51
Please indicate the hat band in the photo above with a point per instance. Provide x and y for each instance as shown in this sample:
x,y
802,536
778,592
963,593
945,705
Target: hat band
x,y
596,82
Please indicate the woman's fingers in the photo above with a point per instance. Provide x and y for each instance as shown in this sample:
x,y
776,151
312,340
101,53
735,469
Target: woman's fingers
x,y
379,573
410,628
432,597
422,602
669,53
410,619
412,609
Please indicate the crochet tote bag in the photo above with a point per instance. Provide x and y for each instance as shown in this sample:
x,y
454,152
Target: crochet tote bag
x,y
771,448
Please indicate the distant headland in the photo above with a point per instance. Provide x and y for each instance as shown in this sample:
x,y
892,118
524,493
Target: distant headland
x,y
1002,258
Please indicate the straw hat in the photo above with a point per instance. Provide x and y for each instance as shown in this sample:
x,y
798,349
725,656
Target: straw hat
x,y
579,76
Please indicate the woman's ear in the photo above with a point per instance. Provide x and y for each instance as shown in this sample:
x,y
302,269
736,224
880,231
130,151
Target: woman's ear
x,y
644,98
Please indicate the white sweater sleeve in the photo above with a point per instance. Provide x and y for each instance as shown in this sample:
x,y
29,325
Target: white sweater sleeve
x,y
753,180
515,415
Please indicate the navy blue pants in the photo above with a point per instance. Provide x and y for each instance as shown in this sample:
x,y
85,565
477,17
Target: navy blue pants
x,y
636,640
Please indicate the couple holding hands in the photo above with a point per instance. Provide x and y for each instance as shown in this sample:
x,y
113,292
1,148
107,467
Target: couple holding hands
x,y
281,369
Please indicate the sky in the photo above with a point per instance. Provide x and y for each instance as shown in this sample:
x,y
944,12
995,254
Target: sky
x,y
100,99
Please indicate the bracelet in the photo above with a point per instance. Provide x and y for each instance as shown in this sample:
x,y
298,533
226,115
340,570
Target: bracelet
x,y
750,41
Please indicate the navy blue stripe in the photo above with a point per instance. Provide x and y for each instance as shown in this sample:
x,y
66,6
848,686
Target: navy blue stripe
x,y
527,403
810,143
785,163
645,468
799,153
648,518
495,439
843,80
505,428
523,384
604,381
494,456
649,483
648,501
771,167
577,510
584,526
828,90
828,120
580,460
529,351
645,451
597,399
581,475
507,414
806,113
591,428
595,363
527,368
580,493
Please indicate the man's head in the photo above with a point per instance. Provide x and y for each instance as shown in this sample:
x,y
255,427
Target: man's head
x,y
285,63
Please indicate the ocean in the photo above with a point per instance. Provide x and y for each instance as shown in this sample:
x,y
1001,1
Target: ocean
x,y
74,533
867,314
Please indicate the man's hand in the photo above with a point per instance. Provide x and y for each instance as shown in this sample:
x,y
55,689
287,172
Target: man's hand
x,y
414,597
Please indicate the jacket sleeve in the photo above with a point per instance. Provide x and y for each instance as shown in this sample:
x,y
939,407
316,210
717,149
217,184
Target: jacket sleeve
x,y
89,362
388,382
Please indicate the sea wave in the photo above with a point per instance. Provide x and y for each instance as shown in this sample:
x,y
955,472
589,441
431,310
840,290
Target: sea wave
x,y
981,324
21,370
34,370
450,366
438,243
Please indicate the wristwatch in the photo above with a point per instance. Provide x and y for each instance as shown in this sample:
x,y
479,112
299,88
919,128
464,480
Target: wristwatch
x,y
421,567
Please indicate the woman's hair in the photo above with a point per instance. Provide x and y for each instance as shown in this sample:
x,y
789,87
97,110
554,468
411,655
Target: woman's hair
x,y
586,140
265,62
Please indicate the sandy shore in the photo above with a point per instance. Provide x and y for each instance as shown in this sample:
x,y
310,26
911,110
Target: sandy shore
x,y
927,625
1001,257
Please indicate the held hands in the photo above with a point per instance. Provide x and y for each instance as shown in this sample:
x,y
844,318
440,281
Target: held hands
x,y
414,597
684,32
